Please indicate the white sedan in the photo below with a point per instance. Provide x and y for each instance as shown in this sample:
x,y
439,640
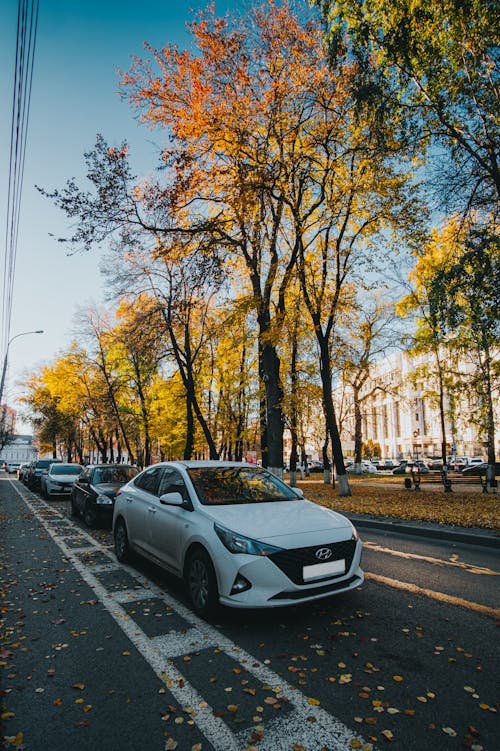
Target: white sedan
x,y
236,534
58,479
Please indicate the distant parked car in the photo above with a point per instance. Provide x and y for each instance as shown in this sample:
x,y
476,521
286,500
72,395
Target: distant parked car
x,y
59,479
435,464
385,465
22,471
366,468
12,467
93,494
36,470
316,466
401,468
457,463
479,469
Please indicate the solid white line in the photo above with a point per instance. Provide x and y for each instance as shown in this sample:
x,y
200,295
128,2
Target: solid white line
x,y
313,727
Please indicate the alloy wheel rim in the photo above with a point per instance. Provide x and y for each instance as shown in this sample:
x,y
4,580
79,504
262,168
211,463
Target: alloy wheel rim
x,y
198,580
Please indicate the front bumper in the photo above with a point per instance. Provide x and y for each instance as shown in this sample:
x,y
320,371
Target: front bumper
x,y
272,587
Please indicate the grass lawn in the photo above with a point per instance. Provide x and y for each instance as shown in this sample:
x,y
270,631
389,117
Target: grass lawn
x,y
462,507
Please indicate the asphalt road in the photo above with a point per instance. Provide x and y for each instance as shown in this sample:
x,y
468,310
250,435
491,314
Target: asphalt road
x,y
96,655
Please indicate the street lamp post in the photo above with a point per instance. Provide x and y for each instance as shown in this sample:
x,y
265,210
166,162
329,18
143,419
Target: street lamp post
x,y
24,333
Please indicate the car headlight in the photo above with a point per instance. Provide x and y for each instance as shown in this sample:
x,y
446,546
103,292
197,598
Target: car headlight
x,y
236,543
104,500
354,535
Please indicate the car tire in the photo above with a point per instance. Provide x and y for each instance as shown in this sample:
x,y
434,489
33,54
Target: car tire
x,y
74,508
44,493
122,546
89,516
201,582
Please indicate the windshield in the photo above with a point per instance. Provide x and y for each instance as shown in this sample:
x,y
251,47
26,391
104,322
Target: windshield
x,y
65,469
114,474
220,486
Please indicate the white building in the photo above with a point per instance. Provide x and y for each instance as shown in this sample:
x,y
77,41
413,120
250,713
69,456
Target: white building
x,y
19,449
402,416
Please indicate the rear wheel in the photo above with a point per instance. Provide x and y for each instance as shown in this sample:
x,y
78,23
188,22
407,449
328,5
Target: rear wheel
x,y
201,582
122,547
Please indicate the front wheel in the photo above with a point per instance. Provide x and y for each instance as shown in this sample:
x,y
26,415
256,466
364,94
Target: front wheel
x,y
74,507
89,516
122,547
201,583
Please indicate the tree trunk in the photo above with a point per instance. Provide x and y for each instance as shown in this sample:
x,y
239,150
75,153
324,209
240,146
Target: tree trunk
x,y
270,369
331,419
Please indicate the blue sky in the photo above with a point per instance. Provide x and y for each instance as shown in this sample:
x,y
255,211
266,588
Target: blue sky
x,y
81,45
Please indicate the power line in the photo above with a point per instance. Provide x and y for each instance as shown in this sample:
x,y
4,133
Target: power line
x,y
27,24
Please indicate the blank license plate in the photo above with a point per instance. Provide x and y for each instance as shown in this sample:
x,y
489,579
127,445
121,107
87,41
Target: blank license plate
x,y
320,570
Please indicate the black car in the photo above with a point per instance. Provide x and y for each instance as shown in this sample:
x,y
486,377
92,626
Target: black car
x,y
93,494
480,469
405,468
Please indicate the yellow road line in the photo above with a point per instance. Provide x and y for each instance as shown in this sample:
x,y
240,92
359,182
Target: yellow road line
x,y
440,596
428,559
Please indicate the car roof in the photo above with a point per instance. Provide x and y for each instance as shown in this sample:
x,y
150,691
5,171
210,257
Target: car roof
x,y
113,466
206,463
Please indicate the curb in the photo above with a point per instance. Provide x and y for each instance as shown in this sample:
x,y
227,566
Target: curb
x,y
472,537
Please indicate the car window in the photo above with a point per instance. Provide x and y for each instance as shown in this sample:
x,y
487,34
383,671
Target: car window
x,y
172,482
85,476
220,486
65,469
114,474
149,480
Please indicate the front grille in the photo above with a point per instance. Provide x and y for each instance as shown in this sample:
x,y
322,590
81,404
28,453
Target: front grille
x,y
292,562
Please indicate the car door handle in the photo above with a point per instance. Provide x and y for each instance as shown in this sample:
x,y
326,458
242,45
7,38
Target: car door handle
x,y
129,500
152,510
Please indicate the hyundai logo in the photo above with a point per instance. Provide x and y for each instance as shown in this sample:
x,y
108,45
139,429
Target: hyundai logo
x,y
323,554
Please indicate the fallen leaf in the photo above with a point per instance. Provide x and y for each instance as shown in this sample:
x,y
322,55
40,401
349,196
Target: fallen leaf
x,y
449,731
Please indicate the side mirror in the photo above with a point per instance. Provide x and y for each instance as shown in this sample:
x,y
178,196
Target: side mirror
x,y
172,499
298,492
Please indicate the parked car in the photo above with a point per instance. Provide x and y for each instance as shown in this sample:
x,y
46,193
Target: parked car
x,y
12,467
35,471
386,465
58,479
475,470
23,468
401,468
93,493
417,466
457,463
316,466
236,534
366,467
473,461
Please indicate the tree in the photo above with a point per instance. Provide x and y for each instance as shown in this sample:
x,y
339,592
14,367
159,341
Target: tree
x,y
369,333
431,69
465,297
